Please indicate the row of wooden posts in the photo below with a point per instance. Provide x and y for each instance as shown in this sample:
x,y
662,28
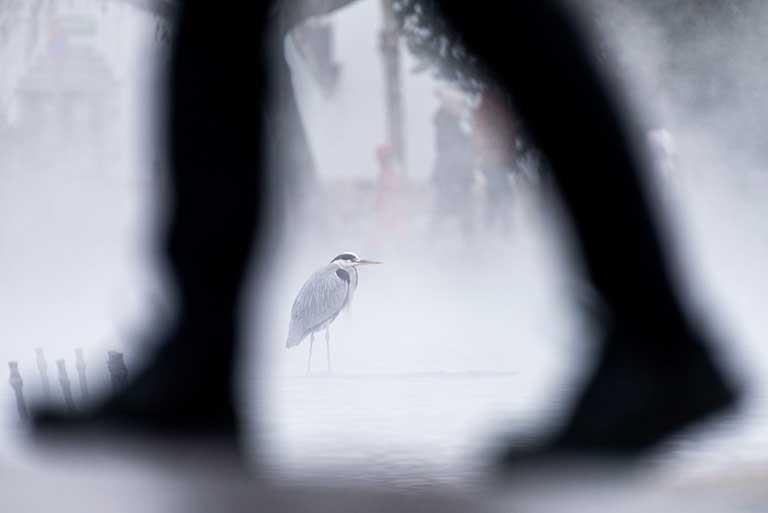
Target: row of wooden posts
x,y
118,373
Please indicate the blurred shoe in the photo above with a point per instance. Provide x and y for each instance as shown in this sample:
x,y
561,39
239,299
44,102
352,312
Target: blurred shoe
x,y
182,394
642,391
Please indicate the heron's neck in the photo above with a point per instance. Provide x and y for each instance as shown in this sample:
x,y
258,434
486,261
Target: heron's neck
x,y
350,269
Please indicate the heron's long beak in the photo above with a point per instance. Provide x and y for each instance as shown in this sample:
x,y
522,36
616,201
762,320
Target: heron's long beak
x,y
363,262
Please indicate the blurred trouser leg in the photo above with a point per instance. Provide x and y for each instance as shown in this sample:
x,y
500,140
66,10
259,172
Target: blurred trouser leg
x,y
653,373
215,195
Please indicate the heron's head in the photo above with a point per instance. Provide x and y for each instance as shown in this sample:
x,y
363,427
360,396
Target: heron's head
x,y
346,260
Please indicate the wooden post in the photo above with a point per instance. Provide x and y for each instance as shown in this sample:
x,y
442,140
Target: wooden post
x,y
18,384
42,366
66,389
117,370
390,53
80,366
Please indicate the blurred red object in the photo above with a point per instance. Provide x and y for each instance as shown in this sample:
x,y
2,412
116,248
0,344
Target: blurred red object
x,y
388,191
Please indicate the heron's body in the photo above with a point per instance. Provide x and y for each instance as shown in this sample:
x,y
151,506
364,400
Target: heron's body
x,y
322,298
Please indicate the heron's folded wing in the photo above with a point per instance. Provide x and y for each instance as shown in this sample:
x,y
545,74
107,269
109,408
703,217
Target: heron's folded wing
x,y
320,299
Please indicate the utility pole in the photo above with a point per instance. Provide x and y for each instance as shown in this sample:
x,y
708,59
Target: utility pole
x,y
117,370
66,386
80,366
390,53
42,366
18,385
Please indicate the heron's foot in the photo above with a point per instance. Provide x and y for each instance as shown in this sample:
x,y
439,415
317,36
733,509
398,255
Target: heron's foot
x,y
634,400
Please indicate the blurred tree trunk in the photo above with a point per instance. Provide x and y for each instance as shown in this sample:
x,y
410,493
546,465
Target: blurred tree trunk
x,y
390,52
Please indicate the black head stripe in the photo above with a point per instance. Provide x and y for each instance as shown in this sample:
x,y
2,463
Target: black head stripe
x,y
345,256
344,275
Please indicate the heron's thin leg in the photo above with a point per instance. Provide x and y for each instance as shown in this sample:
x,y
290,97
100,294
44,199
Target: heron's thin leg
x,y
309,362
328,346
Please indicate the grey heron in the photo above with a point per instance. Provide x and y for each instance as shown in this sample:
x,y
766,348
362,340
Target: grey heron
x,y
321,299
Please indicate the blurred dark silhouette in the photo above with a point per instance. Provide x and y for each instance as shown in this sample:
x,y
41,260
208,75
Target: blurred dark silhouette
x,y
214,215
653,372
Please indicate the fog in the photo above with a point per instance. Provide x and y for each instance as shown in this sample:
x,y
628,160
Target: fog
x,y
461,337
78,116
471,339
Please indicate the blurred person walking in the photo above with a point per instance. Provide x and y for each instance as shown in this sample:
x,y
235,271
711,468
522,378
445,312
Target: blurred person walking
x,y
390,204
653,370
495,142
453,173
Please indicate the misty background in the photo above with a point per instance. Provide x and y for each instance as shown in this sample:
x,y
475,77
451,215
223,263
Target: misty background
x,y
456,340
